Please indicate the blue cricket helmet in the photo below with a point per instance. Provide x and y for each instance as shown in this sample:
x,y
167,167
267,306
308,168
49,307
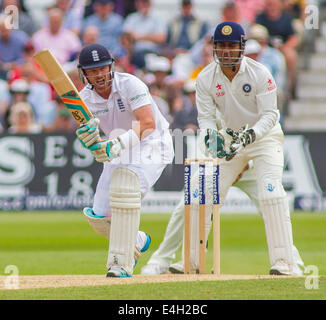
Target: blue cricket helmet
x,y
229,31
94,56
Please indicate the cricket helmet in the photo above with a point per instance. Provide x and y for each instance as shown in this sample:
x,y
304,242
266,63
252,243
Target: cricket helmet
x,y
229,31
93,56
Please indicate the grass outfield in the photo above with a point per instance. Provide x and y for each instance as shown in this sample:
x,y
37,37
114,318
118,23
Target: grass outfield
x,y
48,243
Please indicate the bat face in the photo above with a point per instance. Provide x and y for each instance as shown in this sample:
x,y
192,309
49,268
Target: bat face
x,y
63,86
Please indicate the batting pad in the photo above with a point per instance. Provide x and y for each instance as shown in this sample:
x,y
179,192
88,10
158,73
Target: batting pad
x,y
276,214
125,201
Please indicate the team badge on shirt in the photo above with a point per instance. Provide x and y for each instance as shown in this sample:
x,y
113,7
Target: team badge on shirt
x,y
226,30
246,88
121,106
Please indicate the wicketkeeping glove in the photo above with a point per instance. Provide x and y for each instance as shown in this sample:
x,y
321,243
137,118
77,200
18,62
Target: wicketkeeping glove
x,y
89,133
106,150
215,144
240,139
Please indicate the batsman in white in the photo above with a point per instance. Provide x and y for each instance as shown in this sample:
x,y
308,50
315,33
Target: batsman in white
x,y
244,93
137,148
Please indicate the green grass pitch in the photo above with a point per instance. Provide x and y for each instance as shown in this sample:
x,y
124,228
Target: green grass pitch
x,y
49,243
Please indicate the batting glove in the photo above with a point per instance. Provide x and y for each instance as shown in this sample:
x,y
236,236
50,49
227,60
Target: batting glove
x,y
215,144
106,150
89,133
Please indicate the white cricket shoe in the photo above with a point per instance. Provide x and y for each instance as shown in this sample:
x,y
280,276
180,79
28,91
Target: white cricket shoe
x,y
117,272
177,267
153,269
281,268
142,244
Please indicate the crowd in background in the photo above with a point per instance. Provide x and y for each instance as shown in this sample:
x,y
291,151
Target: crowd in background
x,y
166,55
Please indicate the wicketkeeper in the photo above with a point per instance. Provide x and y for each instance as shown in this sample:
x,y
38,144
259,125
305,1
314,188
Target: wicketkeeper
x,y
244,93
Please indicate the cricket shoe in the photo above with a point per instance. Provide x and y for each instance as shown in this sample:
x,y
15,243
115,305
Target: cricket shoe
x,y
280,268
117,272
143,242
153,269
178,268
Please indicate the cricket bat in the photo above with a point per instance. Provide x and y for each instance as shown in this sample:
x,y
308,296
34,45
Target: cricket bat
x,y
63,86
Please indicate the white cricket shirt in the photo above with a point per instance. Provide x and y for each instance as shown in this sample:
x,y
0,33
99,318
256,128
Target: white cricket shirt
x,y
251,98
116,116
128,93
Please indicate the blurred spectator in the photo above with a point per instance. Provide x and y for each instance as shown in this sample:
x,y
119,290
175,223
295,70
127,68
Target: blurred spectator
x,y
61,119
186,118
4,100
19,91
271,57
161,103
38,10
197,49
137,59
275,64
90,35
11,47
122,62
62,42
296,9
122,7
25,22
108,23
22,119
188,64
248,10
29,69
282,35
230,12
148,30
185,29
159,81
252,49
75,78
37,94
207,58
72,15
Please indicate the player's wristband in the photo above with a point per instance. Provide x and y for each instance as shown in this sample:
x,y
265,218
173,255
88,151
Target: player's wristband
x,y
129,139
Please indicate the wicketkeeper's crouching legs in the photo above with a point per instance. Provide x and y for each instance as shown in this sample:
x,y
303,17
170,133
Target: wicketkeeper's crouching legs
x,y
162,258
274,206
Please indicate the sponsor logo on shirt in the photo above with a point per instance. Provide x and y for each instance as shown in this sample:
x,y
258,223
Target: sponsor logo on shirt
x,y
220,92
138,96
121,106
271,85
96,113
